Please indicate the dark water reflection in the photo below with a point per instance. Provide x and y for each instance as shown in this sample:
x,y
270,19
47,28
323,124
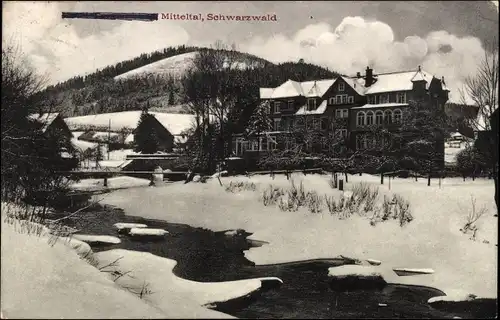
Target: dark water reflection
x,y
203,255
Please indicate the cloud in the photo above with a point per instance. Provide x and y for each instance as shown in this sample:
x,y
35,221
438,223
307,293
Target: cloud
x,y
55,48
357,42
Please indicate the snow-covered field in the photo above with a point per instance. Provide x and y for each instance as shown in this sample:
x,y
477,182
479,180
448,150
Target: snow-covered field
x,y
44,281
431,241
174,66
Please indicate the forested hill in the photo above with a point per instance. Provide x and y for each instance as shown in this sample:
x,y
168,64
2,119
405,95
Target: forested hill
x,y
100,92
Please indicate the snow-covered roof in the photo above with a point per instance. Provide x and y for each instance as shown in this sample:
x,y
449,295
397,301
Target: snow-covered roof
x,y
45,118
319,110
290,88
265,93
398,81
175,123
381,105
316,88
358,84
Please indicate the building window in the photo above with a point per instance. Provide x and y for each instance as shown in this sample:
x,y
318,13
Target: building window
x,y
338,99
369,118
401,97
341,113
388,116
350,99
372,99
254,145
289,106
311,104
360,118
384,98
276,125
332,100
344,98
360,142
324,123
342,133
277,106
341,86
379,117
398,116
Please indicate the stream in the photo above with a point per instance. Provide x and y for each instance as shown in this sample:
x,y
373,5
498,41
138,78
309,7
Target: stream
x,y
207,256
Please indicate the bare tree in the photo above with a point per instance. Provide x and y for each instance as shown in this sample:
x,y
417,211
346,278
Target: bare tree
x,y
482,89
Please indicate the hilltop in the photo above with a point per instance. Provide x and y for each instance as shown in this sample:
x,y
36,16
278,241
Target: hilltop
x,y
155,79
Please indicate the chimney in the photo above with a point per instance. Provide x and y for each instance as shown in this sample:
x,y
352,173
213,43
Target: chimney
x,y
368,77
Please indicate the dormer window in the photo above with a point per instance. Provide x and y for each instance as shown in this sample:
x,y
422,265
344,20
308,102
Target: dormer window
x,y
341,86
311,104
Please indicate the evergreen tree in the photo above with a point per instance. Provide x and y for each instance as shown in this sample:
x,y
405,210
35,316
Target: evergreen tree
x,y
145,138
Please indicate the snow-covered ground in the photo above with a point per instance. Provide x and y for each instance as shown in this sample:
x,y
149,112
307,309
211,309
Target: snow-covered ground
x,y
451,151
113,183
431,240
171,290
43,281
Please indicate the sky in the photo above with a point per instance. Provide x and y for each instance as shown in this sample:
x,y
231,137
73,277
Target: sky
x,y
447,38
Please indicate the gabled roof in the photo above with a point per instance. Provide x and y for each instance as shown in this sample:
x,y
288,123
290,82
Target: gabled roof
x,y
45,118
316,88
290,89
398,81
358,84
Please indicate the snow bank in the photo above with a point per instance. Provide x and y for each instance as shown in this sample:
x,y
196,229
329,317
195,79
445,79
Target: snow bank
x,y
170,290
354,271
125,225
52,282
410,271
96,239
431,240
350,277
453,298
374,262
147,232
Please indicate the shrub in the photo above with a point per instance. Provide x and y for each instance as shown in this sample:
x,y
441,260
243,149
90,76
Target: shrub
x,y
271,195
240,186
297,194
314,202
364,194
290,204
473,215
396,208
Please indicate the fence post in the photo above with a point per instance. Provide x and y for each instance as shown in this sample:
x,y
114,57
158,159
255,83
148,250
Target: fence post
x,y
105,181
341,185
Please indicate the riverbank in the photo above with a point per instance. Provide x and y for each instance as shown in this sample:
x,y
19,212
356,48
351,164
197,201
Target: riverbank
x,y
207,256
432,240
44,276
